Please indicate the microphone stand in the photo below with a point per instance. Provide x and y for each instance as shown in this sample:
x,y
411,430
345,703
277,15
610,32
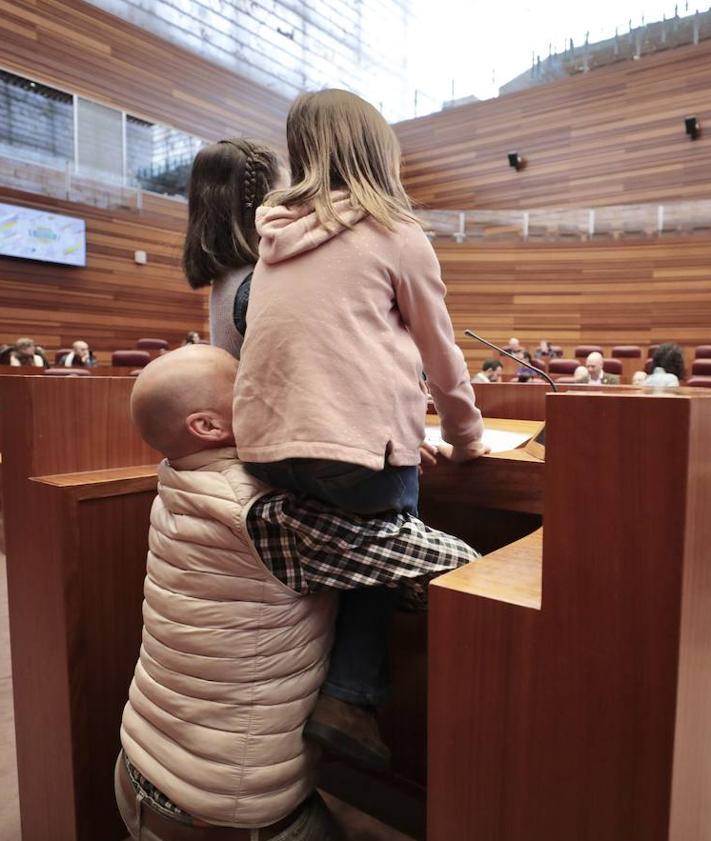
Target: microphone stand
x,y
521,362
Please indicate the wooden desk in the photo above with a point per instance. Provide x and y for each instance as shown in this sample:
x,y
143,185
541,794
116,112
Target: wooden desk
x,y
78,485
76,499
581,711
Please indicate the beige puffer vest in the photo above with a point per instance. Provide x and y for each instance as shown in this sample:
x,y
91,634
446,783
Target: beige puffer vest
x,y
232,660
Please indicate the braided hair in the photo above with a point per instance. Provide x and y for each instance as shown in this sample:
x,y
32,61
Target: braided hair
x,y
229,180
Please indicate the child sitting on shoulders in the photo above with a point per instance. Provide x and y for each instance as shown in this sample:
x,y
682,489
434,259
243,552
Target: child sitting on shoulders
x,y
346,310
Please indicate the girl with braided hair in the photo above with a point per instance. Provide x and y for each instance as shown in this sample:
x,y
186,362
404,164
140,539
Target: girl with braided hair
x,y
228,181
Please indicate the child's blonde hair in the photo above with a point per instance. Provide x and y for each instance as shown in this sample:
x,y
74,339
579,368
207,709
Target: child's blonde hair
x,y
338,141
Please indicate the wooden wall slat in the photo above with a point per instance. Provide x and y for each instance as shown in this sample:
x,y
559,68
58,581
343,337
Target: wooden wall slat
x,y
583,293
112,301
611,136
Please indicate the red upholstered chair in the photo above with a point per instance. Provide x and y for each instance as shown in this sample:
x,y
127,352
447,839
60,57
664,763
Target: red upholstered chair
x,y
651,350
581,351
699,382
67,372
703,352
152,344
557,350
627,352
60,353
701,368
612,366
562,367
130,358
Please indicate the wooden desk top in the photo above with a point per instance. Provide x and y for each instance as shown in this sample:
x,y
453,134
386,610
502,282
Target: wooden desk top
x,y
512,574
96,477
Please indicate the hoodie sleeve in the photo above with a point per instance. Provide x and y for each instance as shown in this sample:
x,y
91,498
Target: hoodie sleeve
x,y
420,293
286,232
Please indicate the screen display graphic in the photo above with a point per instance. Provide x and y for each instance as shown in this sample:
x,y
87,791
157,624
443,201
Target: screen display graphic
x,y
38,235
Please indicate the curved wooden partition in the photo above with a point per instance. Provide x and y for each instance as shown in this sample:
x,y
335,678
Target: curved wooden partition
x,y
569,676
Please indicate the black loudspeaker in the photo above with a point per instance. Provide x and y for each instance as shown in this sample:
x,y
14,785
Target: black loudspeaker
x,y
692,126
516,161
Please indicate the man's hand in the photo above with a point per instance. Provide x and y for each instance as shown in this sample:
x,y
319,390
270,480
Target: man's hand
x,y
466,453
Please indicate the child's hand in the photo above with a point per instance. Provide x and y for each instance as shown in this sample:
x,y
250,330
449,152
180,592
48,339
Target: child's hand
x,y
467,453
428,455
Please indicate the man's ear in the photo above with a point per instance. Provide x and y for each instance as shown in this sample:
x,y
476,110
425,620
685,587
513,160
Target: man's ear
x,y
208,427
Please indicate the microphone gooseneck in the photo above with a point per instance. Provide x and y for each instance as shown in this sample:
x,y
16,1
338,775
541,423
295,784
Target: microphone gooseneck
x,y
521,362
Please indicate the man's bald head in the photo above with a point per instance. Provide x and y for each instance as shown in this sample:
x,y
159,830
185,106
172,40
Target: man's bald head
x,y
182,401
594,365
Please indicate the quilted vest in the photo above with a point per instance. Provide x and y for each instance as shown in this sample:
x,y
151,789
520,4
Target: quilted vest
x,y
231,660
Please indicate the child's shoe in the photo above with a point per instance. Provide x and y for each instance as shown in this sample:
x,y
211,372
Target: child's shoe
x,y
349,732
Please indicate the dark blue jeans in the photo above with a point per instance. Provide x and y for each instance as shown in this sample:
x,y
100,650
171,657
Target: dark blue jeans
x,y
359,672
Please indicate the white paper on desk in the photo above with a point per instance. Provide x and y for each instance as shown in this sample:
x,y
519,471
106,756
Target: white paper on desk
x,y
498,440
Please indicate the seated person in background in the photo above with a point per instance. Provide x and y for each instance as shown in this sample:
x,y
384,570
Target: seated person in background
x,y
580,374
515,347
596,375
239,621
192,338
27,353
544,351
491,372
79,356
524,374
639,378
667,366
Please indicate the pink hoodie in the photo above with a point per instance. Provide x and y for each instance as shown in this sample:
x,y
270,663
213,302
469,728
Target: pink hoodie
x,y
340,325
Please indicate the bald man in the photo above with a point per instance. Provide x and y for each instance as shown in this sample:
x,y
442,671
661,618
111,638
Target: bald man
x,y
239,616
596,375
80,355
182,401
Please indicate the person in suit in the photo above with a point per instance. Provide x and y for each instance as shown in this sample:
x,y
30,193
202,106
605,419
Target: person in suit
x,y
27,353
596,375
79,356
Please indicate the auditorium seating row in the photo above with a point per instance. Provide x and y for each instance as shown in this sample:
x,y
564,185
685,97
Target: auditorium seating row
x,y
629,351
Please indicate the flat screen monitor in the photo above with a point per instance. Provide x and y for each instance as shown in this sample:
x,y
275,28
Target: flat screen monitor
x,y
38,235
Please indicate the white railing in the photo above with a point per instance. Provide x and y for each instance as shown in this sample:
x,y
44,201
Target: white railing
x,y
537,224
64,182
555,224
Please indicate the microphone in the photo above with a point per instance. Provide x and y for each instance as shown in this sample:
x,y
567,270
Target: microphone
x,y
521,362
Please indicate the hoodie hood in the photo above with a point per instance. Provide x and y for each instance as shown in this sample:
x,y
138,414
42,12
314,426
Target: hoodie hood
x,y
288,231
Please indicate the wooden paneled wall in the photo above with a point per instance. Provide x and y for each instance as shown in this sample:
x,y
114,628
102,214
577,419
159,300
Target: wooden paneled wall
x,y
583,293
112,301
611,136
81,49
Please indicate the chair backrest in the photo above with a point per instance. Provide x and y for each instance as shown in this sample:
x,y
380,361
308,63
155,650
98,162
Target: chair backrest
x,y
130,358
67,372
612,366
703,352
627,352
563,366
699,382
651,350
152,344
701,368
581,351
58,354
556,350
